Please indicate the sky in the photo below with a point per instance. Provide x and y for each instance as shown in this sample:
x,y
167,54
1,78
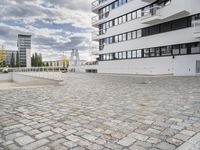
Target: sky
x,y
56,26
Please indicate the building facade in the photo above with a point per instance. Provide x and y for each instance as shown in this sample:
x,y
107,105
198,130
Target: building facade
x,y
148,36
24,48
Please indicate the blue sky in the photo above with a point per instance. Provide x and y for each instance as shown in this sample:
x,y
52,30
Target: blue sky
x,y
55,25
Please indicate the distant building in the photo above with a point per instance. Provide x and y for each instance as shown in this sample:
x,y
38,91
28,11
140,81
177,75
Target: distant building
x,y
24,47
8,55
74,58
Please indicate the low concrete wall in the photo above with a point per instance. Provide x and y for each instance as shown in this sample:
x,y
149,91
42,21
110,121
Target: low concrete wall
x,y
25,79
5,77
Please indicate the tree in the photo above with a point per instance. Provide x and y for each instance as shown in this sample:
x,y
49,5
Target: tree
x,y
2,57
12,60
36,60
17,59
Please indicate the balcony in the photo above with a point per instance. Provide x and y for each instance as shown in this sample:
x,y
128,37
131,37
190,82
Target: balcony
x,y
148,1
197,29
96,35
97,4
99,18
158,13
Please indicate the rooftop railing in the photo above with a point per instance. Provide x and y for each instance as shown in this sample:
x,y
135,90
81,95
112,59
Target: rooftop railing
x,y
97,3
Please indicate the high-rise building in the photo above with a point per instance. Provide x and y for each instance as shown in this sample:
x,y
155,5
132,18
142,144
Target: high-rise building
x,y
24,47
148,36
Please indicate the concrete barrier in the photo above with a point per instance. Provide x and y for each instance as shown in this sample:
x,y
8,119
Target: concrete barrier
x,y
5,77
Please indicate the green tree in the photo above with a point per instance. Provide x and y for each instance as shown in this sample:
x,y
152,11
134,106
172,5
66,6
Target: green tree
x,y
17,59
12,60
36,60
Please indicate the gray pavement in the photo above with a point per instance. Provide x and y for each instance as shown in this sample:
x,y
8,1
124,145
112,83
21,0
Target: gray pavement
x,y
102,112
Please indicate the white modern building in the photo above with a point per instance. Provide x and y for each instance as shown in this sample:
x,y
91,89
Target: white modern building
x,y
148,36
24,48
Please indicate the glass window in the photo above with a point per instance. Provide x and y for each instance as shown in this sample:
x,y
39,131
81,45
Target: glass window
x,y
166,51
152,52
167,2
120,55
146,11
139,33
129,54
111,23
116,21
120,20
124,37
116,55
176,50
111,56
116,4
139,53
124,18
104,57
134,54
183,49
157,51
129,36
146,52
116,38
134,15
124,55
134,34
195,48
107,56
139,13
129,17
120,37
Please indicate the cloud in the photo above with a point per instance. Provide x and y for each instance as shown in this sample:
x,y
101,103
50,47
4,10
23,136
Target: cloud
x,y
55,25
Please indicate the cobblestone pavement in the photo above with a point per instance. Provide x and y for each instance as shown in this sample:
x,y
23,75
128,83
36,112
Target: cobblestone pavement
x,y
103,112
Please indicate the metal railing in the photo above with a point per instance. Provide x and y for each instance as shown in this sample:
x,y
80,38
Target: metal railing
x,y
96,34
52,73
100,16
97,3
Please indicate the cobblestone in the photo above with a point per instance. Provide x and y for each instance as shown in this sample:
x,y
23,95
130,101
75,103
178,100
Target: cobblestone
x,y
94,111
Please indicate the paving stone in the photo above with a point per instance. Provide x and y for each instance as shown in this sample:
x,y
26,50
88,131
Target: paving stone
x,y
44,134
33,132
165,146
24,140
70,144
187,132
138,136
127,141
90,137
14,135
36,144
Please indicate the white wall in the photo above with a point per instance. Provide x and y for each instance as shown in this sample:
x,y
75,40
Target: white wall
x,y
5,77
28,58
179,66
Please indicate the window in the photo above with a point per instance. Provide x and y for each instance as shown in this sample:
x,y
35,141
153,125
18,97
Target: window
x,y
139,53
124,55
124,37
179,24
183,49
116,4
165,27
154,30
120,20
124,18
139,13
129,36
134,15
195,48
152,52
129,17
134,54
146,11
120,55
116,38
166,50
120,37
116,21
116,55
111,23
157,51
176,50
129,54
145,32
167,2
139,33
134,34
146,52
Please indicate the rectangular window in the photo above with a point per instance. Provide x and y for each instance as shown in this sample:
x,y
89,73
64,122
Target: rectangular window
x,y
124,55
134,15
116,55
166,51
120,37
179,24
124,18
165,27
124,37
139,33
134,34
120,55
129,36
134,54
116,21
146,52
145,32
139,13
176,50
154,30
111,23
129,54
157,51
120,20
152,52
116,4
183,49
129,17
116,39
195,48
139,53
